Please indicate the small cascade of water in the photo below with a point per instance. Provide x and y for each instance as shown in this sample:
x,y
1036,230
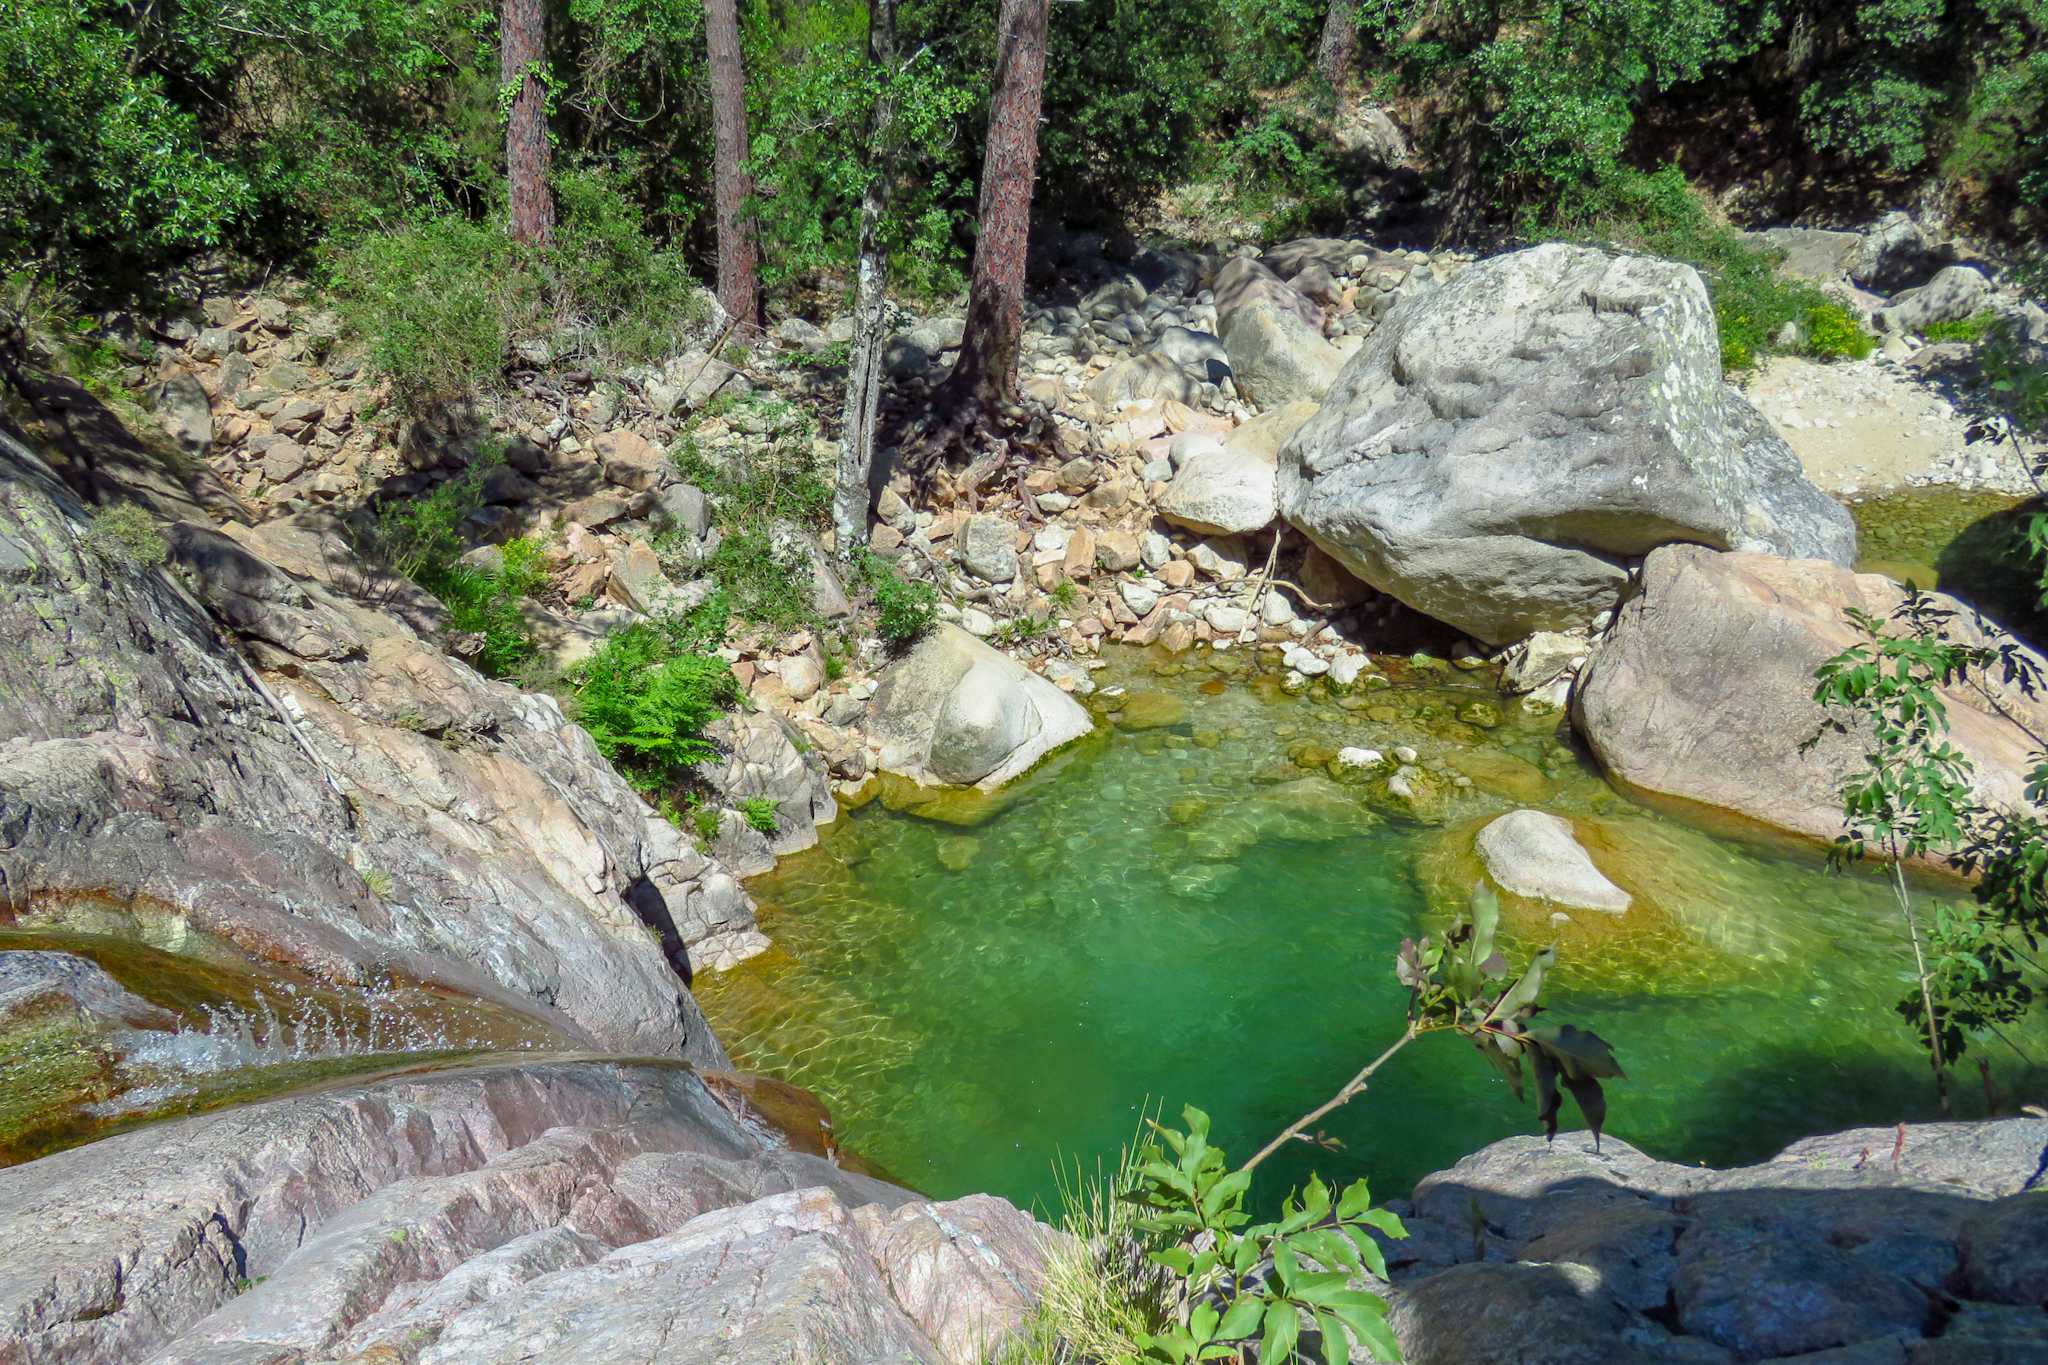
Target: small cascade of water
x,y
289,1025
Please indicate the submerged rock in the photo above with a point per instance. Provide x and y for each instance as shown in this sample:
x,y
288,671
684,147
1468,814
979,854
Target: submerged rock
x,y
956,711
1531,853
1703,690
1502,447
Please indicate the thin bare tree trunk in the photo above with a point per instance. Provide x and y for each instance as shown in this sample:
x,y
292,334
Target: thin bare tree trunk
x,y
738,286
522,48
853,492
987,371
1340,40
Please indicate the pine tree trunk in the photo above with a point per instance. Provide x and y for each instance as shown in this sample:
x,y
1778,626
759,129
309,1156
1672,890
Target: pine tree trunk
x,y
1340,40
854,491
987,371
738,287
522,31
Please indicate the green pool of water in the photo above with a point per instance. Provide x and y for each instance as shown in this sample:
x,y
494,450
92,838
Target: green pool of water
x,y
1185,914
1970,544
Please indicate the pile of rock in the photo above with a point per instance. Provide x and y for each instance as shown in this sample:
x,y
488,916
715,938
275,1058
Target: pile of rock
x,y
1918,1245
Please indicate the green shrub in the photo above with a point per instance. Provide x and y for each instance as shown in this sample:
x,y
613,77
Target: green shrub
x,y
127,535
1659,213
422,538
648,692
1972,328
709,820
631,300
440,303
761,813
100,168
491,603
769,578
904,608
762,501
1833,333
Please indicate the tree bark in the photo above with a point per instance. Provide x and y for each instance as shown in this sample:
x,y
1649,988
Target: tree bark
x,y
987,370
739,290
522,47
854,491
1340,40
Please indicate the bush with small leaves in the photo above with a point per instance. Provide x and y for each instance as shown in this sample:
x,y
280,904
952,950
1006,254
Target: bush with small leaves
x,y
904,608
127,535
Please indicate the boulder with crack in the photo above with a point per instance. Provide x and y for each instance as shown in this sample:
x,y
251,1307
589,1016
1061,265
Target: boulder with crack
x,y
1504,447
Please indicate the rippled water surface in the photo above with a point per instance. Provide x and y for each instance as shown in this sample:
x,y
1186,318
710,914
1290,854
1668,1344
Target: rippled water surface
x,y
1196,912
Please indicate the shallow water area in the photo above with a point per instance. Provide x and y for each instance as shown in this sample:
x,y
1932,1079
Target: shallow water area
x,y
206,1028
1205,910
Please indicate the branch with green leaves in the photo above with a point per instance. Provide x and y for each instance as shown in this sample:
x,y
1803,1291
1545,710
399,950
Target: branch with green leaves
x,y
1914,796
1239,1281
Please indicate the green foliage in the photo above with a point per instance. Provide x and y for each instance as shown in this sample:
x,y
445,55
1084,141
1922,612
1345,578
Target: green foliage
x,y
1872,114
422,538
2017,376
904,608
1833,333
1192,1206
1245,1282
1977,968
764,501
1659,213
1019,630
1972,328
443,300
491,603
709,820
761,813
648,692
439,303
126,534
767,575
811,93
99,166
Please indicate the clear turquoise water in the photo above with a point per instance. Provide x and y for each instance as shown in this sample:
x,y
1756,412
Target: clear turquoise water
x,y
1182,914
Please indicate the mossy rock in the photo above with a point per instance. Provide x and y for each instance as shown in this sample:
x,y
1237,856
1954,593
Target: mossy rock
x,y
957,852
1483,714
963,806
1310,753
1499,773
1152,711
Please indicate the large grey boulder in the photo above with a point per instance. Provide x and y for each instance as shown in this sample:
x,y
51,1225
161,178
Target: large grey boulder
x,y
1233,488
1504,446
1274,336
1138,377
185,411
1707,637
545,1211
988,548
1955,292
955,711
1897,253
1852,1247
